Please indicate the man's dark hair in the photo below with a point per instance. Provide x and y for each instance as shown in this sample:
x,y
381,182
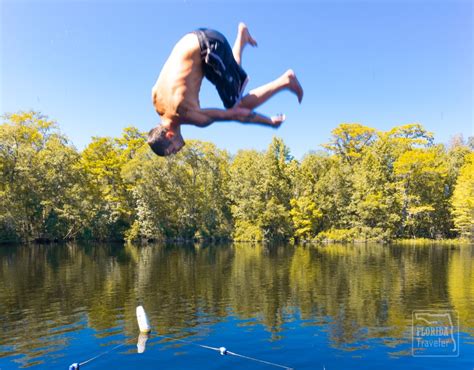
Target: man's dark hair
x,y
158,141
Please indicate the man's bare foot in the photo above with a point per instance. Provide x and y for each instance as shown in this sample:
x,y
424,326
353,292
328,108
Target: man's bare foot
x,y
294,85
278,120
245,34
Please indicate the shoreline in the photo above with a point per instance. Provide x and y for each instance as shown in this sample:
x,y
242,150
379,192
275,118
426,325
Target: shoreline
x,y
401,242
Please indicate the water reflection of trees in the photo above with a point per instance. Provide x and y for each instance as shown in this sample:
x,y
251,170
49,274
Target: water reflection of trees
x,y
360,292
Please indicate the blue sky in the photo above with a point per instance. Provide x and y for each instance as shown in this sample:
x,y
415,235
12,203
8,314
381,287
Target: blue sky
x,y
90,65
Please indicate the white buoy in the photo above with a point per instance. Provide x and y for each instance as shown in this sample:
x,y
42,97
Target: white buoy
x,y
142,319
223,351
141,344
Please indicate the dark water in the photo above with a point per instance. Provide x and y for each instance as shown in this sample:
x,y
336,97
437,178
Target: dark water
x,y
334,307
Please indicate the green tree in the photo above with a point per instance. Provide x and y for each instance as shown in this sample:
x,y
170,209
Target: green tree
x,y
349,140
260,191
110,206
463,199
246,194
422,175
180,196
277,190
38,179
306,217
102,162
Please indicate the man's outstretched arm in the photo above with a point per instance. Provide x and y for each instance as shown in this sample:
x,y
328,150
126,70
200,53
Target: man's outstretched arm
x,y
205,117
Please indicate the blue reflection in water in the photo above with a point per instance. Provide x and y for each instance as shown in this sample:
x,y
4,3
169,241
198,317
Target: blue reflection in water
x,y
336,307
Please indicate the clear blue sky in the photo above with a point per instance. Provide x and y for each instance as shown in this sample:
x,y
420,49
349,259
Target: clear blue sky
x,y
90,65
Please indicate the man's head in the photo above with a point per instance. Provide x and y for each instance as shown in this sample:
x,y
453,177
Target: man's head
x,y
165,141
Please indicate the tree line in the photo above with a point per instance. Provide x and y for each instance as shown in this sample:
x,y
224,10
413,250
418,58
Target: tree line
x,y
366,185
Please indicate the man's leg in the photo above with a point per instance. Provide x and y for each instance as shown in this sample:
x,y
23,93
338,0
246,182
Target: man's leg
x,y
243,38
258,96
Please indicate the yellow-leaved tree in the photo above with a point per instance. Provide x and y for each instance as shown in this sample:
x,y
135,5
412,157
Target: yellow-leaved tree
x,y
463,199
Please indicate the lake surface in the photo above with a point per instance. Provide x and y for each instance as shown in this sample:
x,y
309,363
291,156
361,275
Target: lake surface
x,y
305,307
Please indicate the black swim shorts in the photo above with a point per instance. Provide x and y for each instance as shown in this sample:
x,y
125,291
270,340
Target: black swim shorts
x,y
220,67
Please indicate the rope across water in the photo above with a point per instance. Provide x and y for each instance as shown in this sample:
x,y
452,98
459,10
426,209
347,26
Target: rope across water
x,y
143,323
223,351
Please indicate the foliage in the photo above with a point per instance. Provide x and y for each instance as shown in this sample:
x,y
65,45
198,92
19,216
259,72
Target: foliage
x,y
260,192
463,199
180,196
305,216
38,179
349,140
367,185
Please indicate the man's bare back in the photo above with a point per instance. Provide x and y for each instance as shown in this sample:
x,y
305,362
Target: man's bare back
x,y
175,94
178,85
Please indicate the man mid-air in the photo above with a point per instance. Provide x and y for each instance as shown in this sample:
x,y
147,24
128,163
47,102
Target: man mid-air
x,y
175,95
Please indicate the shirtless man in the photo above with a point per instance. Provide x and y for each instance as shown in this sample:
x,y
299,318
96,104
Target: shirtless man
x,y
206,53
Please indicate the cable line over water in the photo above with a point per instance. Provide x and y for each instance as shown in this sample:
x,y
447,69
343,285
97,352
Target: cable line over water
x,y
145,329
